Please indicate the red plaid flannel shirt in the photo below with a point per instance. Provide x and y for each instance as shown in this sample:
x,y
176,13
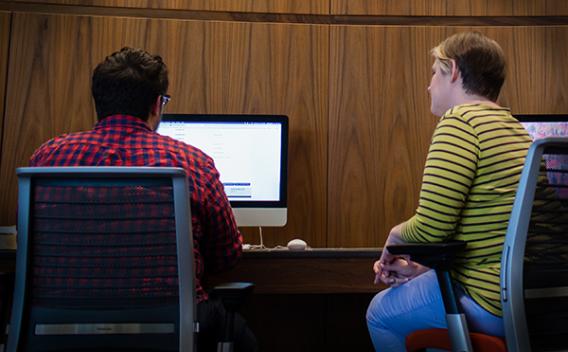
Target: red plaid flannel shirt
x,y
122,140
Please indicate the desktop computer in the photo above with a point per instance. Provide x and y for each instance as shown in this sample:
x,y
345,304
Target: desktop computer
x,y
251,154
544,125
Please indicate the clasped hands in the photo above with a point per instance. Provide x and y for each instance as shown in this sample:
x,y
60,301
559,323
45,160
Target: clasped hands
x,y
396,270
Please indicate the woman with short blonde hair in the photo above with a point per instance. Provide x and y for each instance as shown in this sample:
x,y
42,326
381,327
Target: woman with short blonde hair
x,y
470,179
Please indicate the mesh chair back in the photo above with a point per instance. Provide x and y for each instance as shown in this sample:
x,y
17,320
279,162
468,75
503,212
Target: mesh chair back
x,y
535,262
104,260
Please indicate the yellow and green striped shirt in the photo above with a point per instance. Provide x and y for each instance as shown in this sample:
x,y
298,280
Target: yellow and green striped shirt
x,y
468,189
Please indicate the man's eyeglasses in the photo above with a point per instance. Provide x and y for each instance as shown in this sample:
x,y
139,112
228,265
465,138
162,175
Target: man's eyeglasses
x,y
165,100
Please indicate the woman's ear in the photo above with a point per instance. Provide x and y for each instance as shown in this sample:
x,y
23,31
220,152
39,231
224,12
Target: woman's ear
x,y
455,71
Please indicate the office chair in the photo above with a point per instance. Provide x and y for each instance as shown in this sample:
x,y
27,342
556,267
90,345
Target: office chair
x,y
534,265
104,261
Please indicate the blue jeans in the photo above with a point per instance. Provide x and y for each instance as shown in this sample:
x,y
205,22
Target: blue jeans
x,y
416,305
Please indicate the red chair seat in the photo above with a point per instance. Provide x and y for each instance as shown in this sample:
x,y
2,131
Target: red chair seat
x,y
439,338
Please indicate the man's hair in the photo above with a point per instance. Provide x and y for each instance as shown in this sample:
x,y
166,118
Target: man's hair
x,y
479,59
128,82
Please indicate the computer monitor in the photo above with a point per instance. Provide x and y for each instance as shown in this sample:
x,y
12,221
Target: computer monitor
x,y
544,125
251,154
541,126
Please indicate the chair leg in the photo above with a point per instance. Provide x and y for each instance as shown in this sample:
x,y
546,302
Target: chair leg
x,y
457,325
225,347
6,292
226,343
459,333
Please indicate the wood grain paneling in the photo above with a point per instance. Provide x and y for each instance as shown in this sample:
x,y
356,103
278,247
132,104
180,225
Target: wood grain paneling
x,y
265,6
337,7
554,82
214,67
48,92
5,18
303,275
450,8
380,120
379,129
264,17
377,124
537,77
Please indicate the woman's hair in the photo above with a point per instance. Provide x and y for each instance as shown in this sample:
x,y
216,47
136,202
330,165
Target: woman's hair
x,y
128,82
479,59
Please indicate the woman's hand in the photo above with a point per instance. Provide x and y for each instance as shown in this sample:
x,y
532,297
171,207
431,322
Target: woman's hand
x,y
402,270
395,270
382,275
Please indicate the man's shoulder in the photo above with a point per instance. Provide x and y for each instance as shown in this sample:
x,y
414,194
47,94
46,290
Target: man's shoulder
x,y
57,143
63,139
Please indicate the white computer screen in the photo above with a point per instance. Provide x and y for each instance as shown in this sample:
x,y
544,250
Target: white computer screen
x,y
248,150
539,130
543,126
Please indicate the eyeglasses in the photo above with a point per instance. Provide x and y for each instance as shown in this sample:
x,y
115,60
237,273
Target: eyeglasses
x,y
165,100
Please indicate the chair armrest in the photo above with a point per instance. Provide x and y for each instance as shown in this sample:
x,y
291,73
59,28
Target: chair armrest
x,y
440,257
432,255
233,294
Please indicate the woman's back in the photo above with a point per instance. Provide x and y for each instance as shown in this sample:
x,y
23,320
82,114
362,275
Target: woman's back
x,y
470,180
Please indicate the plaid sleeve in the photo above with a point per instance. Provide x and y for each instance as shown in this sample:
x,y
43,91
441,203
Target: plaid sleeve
x,y
222,241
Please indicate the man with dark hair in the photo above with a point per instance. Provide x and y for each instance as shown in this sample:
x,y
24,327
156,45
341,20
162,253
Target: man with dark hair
x,y
128,82
129,89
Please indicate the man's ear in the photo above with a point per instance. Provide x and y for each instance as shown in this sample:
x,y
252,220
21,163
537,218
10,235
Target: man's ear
x,y
155,113
157,106
455,71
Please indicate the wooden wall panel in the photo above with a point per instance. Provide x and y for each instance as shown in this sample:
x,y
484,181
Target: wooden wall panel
x,y
5,18
264,6
379,129
215,67
48,92
340,7
554,82
537,77
450,8
377,124
380,120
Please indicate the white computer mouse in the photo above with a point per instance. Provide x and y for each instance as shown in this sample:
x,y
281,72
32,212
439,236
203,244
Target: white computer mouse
x,y
297,245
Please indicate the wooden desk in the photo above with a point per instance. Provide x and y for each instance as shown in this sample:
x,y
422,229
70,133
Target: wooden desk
x,y
317,270
313,300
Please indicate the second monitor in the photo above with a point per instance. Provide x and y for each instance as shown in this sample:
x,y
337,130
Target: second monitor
x,y
251,154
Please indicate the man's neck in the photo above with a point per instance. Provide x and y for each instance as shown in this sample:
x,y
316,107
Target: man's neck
x,y
153,121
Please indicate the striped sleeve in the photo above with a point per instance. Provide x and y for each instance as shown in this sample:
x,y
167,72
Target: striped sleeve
x,y
448,176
